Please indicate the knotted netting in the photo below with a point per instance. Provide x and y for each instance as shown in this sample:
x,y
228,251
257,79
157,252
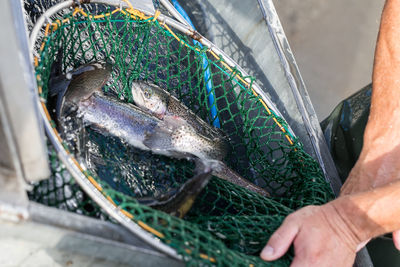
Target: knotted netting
x,y
227,225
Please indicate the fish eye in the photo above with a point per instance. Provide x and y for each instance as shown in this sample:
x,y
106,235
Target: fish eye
x,y
147,93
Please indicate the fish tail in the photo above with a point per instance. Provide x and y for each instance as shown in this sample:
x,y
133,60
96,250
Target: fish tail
x,y
224,172
180,203
222,147
56,67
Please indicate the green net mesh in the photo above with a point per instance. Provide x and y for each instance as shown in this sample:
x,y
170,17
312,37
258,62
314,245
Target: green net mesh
x,y
227,225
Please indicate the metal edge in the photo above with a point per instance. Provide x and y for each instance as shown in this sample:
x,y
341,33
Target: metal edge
x,y
79,223
89,188
9,133
297,85
101,200
191,33
22,39
17,186
100,231
171,9
10,137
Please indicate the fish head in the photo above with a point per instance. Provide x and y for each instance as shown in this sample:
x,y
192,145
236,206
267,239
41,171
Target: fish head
x,y
150,97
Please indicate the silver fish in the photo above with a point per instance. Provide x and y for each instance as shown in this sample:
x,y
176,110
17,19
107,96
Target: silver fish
x,y
193,136
126,121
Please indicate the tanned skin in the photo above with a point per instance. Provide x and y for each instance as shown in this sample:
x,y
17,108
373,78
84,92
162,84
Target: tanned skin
x,y
369,204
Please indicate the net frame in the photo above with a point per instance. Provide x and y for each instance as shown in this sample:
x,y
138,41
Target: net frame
x,y
87,182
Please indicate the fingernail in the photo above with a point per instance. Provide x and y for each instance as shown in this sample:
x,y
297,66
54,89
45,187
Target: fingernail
x,y
267,252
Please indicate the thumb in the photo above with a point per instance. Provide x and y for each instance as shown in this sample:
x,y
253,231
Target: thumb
x,y
396,239
280,241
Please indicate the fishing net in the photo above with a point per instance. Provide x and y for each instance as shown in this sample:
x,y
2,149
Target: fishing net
x,y
227,225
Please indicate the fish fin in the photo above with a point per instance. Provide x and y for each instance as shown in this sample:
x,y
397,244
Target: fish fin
x,y
56,66
174,121
57,88
202,166
59,105
178,203
222,171
159,139
56,81
84,68
58,85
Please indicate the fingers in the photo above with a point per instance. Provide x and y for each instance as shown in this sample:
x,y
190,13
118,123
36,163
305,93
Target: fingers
x,y
396,239
281,240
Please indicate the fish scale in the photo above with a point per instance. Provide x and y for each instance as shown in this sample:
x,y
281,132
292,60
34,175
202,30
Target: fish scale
x,y
85,101
173,130
194,136
186,140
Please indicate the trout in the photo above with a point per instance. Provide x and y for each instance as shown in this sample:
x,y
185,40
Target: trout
x,y
84,97
194,135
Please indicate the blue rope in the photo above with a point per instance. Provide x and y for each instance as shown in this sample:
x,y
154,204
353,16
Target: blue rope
x,y
207,74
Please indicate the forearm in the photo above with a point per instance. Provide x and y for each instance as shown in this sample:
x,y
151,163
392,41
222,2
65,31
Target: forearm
x,y
376,174
371,213
378,163
329,235
383,128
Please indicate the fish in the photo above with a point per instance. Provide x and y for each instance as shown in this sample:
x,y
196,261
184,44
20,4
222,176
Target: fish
x,y
84,82
178,203
84,99
193,135
58,82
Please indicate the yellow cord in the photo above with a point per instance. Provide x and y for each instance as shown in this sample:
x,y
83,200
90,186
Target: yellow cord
x,y
156,15
129,4
137,14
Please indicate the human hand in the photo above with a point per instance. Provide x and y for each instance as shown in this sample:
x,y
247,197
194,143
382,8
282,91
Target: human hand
x,y
377,165
319,235
374,173
359,180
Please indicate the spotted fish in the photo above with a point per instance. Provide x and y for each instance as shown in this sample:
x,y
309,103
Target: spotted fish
x,y
193,135
84,98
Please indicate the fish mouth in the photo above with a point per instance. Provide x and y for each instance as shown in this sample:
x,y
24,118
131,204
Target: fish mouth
x,y
163,110
160,116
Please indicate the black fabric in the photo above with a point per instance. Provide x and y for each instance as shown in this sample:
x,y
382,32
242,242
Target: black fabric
x,y
344,130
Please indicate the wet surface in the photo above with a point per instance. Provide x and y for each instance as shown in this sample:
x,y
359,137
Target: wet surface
x,y
333,43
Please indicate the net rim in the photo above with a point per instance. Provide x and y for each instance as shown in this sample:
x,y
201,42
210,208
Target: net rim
x,y
90,186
